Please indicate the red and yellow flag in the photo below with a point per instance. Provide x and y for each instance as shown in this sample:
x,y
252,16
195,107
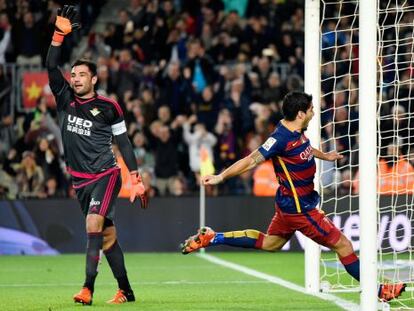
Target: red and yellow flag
x,y
35,85
206,163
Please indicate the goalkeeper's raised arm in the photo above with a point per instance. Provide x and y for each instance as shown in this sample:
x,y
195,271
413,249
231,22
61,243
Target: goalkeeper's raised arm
x,y
64,25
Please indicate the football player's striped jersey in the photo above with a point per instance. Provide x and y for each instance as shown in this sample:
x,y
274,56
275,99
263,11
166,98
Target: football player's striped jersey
x,y
294,165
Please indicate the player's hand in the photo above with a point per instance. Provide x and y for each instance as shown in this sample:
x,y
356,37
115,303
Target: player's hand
x,y
333,156
138,190
211,180
65,22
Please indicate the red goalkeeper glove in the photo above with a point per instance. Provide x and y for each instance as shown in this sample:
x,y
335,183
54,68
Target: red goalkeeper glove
x,y
65,23
138,190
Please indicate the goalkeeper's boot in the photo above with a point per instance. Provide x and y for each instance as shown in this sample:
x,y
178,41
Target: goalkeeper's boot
x,y
122,297
202,239
388,292
84,296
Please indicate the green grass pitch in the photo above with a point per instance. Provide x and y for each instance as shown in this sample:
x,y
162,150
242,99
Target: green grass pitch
x,y
161,281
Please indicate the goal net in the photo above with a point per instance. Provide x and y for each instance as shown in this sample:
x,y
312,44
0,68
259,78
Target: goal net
x,y
395,129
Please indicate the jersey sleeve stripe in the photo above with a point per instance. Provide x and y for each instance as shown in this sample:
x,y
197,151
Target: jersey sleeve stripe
x,y
117,107
292,187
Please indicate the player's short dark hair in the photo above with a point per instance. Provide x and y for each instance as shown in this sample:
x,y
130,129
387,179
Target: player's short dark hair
x,y
295,102
88,63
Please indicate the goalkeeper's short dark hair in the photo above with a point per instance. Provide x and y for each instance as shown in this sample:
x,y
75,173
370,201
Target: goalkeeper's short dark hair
x,y
294,102
88,63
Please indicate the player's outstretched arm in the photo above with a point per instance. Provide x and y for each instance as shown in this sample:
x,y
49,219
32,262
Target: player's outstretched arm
x,y
137,187
237,168
329,156
65,24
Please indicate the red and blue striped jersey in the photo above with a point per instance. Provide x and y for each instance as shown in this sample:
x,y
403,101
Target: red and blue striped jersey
x,y
294,165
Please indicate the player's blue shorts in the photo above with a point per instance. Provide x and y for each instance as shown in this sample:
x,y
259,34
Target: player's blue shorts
x,y
97,195
313,224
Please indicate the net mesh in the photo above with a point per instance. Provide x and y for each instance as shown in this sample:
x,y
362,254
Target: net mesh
x,y
339,131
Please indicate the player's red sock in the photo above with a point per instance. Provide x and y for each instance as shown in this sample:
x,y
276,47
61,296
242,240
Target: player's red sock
x,y
247,238
351,264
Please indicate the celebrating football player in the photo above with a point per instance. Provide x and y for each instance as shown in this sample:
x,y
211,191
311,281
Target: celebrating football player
x,y
296,202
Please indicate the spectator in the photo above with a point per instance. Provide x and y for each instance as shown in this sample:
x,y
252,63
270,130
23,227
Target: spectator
x,y
396,123
29,177
227,150
195,141
7,133
145,159
201,66
395,173
175,90
47,157
27,41
256,36
149,184
104,85
52,190
207,106
5,35
42,122
274,92
179,187
238,103
125,73
225,48
137,13
166,157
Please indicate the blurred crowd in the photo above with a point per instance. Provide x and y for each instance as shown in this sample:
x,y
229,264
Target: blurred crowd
x,y
191,75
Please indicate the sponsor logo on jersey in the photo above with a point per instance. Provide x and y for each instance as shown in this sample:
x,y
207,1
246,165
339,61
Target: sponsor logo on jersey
x,y
269,143
79,126
95,111
307,154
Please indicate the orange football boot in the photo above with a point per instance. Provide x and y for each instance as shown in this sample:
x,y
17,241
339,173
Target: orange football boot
x,y
388,292
200,240
84,296
122,297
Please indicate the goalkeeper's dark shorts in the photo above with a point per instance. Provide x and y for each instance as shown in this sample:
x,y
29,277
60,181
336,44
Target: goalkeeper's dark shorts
x,y
98,195
313,224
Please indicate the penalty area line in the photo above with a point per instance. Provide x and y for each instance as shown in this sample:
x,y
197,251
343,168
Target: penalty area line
x,y
342,303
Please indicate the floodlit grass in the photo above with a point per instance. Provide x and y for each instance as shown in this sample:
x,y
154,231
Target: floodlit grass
x,y
161,281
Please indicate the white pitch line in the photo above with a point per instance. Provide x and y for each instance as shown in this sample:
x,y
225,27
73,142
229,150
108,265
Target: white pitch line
x,y
172,282
342,303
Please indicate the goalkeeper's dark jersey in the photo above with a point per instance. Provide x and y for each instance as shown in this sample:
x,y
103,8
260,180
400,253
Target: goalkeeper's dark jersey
x,y
87,127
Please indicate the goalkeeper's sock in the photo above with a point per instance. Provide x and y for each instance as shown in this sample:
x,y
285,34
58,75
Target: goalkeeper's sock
x,y
116,261
351,264
93,250
247,238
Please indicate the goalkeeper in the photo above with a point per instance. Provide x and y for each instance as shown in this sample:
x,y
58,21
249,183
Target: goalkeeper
x,y
296,202
88,122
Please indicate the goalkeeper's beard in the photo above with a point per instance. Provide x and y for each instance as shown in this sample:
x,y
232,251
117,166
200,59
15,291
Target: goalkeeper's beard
x,y
83,91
